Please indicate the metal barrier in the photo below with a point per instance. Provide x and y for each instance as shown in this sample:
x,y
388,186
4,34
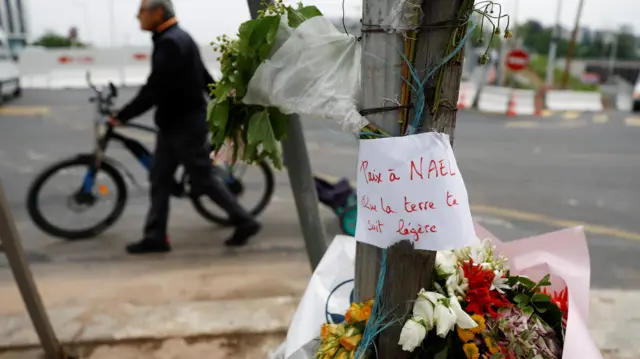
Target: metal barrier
x,y
566,100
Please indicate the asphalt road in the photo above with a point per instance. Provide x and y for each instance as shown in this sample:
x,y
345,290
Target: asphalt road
x,y
525,176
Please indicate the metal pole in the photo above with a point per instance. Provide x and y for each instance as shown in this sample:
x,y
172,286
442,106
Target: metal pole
x,y
612,57
572,46
303,186
11,245
553,47
112,23
304,191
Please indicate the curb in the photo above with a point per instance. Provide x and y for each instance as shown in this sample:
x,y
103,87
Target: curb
x,y
614,322
137,323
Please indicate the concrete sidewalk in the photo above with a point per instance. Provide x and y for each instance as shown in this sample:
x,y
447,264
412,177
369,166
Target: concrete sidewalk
x,y
614,322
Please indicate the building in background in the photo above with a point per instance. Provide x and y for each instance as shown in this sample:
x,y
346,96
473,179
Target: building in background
x,y
14,22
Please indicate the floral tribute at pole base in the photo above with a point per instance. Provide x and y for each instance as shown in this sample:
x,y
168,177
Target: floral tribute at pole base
x,y
479,310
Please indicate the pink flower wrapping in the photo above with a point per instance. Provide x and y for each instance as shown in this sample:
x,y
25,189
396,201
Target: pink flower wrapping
x,y
565,255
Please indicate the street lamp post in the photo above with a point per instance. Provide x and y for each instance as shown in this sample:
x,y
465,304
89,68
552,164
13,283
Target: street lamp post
x,y
553,47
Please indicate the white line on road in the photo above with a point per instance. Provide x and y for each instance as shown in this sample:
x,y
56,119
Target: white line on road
x,y
632,121
600,119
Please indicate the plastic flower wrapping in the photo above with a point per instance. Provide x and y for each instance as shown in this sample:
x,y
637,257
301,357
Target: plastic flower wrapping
x,y
478,309
527,298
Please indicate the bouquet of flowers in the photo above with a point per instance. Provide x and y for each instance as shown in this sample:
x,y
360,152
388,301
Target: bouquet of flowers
x,y
478,309
339,341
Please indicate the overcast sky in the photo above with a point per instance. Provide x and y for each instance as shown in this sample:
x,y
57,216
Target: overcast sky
x,y
205,19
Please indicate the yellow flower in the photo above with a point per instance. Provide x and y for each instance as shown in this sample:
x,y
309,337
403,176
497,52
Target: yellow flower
x,y
351,343
331,330
358,313
465,335
481,324
491,344
342,354
471,351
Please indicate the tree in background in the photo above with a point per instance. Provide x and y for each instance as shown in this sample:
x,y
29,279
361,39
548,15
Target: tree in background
x,y
54,40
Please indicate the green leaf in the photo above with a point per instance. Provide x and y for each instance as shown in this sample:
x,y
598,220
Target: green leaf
x,y
244,34
544,281
219,115
527,310
279,123
301,14
521,298
527,282
541,298
261,132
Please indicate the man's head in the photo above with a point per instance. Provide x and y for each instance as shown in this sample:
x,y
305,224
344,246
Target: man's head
x,y
154,13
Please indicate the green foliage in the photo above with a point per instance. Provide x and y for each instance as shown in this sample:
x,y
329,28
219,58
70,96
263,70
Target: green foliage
x,y
538,65
536,38
53,40
258,128
526,294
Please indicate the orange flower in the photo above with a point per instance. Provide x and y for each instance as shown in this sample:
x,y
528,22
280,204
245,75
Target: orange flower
x,y
481,324
471,351
491,344
351,343
465,335
358,313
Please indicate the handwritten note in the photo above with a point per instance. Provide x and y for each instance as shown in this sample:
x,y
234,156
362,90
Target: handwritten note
x,y
411,188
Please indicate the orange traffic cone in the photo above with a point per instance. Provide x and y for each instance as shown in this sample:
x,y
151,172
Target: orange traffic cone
x,y
461,100
511,110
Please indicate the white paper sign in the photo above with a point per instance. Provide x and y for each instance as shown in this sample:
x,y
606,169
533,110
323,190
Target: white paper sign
x,y
410,187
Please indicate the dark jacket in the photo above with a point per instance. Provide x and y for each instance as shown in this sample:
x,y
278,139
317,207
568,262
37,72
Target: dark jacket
x,y
175,86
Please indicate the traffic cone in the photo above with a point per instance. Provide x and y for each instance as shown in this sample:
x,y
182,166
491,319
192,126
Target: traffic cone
x,y
511,110
461,100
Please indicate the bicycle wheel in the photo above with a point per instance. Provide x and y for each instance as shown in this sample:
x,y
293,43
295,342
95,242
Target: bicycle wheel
x,y
85,194
232,177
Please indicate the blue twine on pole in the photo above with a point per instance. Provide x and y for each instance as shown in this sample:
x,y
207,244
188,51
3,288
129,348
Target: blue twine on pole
x,y
376,323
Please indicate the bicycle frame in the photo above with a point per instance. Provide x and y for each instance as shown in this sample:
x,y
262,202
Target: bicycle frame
x,y
103,105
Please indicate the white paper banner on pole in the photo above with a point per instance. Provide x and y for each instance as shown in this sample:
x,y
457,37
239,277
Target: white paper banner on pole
x,y
410,187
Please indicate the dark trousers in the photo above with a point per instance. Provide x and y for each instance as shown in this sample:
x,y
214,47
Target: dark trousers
x,y
187,148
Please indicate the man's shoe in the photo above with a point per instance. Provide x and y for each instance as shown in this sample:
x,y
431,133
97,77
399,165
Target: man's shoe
x,y
243,233
149,246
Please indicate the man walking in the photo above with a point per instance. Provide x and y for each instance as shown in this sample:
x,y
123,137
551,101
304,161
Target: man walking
x,y
175,86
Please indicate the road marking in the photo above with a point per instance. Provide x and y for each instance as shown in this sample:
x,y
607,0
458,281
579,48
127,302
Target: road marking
x,y
570,115
24,110
632,121
600,119
536,218
546,113
522,124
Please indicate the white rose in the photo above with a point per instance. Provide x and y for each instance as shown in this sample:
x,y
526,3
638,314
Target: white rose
x,y
412,334
423,308
446,263
445,319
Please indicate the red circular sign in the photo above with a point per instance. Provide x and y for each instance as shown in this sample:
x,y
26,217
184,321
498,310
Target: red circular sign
x,y
517,60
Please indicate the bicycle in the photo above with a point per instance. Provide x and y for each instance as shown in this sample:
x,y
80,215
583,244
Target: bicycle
x,y
90,192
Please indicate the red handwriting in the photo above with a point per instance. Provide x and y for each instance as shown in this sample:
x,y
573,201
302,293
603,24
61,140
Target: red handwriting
x,y
410,207
386,208
370,176
416,230
451,201
367,204
436,169
375,226
393,177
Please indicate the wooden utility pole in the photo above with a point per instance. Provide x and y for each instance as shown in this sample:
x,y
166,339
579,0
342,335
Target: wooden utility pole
x,y
572,46
408,270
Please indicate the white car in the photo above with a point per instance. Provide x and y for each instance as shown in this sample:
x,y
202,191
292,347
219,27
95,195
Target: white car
x,y
636,96
9,72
